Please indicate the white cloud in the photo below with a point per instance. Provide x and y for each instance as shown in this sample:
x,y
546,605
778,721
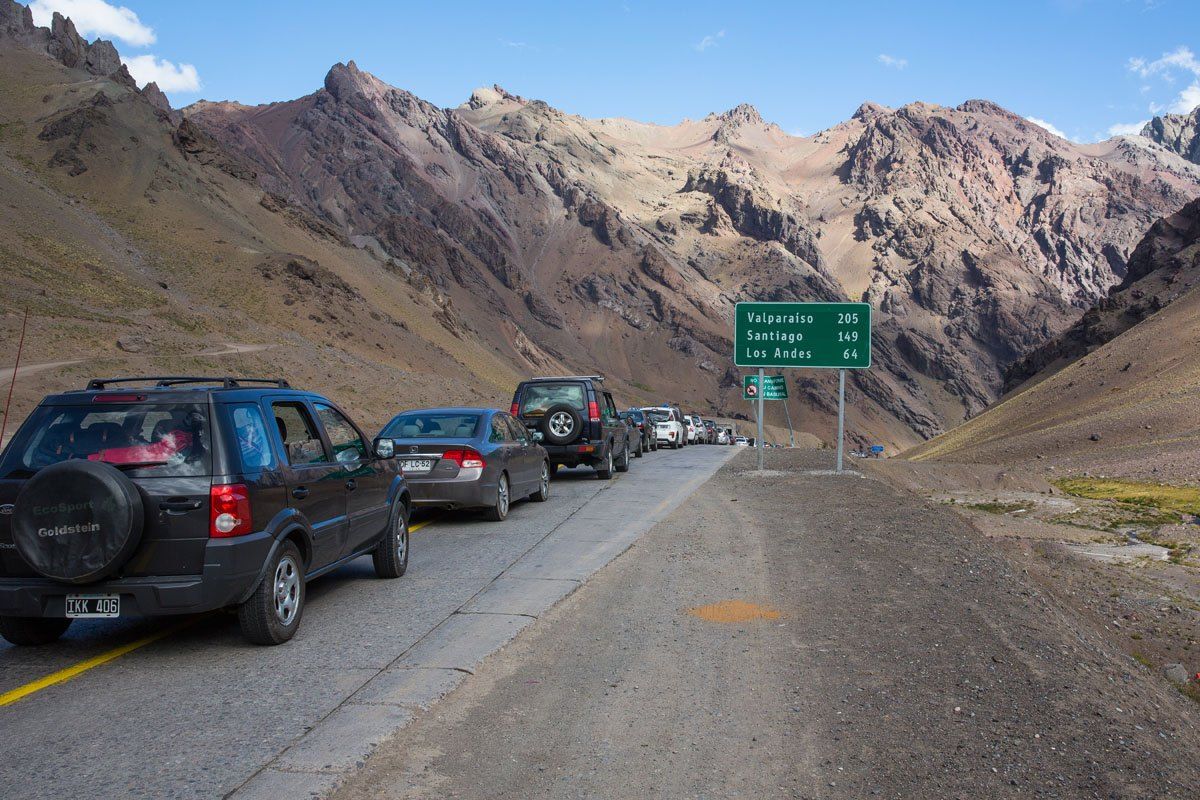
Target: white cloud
x,y
1166,67
1047,126
169,77
96,18
1127,129
709,41
891,62
514,45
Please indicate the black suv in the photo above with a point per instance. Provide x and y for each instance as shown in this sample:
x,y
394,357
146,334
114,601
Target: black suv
x,y
185,495
576,421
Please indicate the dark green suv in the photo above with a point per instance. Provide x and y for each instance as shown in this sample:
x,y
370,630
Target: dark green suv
x,y
576,421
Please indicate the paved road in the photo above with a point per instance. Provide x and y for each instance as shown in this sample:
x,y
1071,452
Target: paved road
x,y
201,714
895,654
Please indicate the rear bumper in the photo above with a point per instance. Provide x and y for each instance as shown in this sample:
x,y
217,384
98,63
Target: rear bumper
x,y
572,455
472,492
231,569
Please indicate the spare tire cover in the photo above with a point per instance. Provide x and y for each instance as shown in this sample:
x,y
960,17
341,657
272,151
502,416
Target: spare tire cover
x,y
77,521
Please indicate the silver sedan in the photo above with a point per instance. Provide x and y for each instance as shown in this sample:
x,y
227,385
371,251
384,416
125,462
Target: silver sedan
x,y
468,458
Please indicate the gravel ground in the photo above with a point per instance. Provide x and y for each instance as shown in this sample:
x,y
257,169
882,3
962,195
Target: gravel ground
x,y
909,659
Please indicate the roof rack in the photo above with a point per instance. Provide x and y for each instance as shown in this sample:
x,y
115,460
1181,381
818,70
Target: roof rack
x,y
226,381
570,378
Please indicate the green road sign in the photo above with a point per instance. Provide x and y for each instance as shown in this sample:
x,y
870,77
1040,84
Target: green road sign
x,y
821,335
774,387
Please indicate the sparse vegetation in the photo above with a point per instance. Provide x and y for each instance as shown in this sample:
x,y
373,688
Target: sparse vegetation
x,y
1180,499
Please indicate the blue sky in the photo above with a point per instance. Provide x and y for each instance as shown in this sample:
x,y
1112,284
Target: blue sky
x,y
1086,68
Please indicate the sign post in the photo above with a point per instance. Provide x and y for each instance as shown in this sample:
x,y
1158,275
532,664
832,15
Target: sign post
x,y
815,335
841,415
759,441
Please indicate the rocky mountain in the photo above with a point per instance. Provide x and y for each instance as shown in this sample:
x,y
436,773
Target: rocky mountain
x,y
616,244
1118,393
1162,268
138,245
463,247
1177,132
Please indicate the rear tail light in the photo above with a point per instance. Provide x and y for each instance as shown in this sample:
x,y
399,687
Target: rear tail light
x,y
229,511
594,411
465,457
515,408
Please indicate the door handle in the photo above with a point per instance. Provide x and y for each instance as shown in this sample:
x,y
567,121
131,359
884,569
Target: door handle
x,y
352,484
300,492
179,505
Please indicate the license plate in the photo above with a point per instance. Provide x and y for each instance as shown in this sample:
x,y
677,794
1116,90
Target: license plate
x,y
416,465
93,605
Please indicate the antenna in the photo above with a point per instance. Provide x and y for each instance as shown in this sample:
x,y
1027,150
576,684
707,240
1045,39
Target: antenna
x,y
13,382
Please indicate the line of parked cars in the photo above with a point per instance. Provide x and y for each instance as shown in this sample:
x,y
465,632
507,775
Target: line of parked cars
x,y
181,494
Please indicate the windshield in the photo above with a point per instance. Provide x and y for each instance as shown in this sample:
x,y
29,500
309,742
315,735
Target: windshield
x,y
144,440
432,425
658,416
538,397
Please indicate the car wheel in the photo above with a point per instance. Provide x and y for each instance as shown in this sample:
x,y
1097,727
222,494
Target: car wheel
x,y
391,554
543,491
561,424
499,511
638,453
272,614
622,463
29,631
605,472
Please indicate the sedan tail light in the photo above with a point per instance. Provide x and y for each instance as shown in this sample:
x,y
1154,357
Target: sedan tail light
x,y
229,511
465,457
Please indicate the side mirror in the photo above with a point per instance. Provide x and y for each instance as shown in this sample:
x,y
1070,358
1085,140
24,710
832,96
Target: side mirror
x,y
537,435
385,448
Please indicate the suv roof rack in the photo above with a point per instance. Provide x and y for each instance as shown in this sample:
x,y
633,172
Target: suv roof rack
x,y
570,378
227,382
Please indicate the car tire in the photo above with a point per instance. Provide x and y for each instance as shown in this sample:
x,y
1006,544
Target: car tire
x,y
605,472
33,631
638,453
561,424
622,463
499,511
390,556
272,614
543,491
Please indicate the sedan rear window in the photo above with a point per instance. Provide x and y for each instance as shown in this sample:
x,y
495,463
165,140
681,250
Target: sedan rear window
x,y
432,425
142,439
539,397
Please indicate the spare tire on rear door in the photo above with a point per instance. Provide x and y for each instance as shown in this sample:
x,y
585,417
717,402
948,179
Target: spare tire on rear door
x,y
77,521
561,424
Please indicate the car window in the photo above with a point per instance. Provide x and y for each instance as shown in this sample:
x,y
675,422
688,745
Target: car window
x,y
254,445
538,397
499,431
519,432
345,438
143,439
610,408
432,425
301,442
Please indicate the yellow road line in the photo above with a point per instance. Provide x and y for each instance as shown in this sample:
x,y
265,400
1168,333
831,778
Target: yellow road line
x,y
63,675
75,670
